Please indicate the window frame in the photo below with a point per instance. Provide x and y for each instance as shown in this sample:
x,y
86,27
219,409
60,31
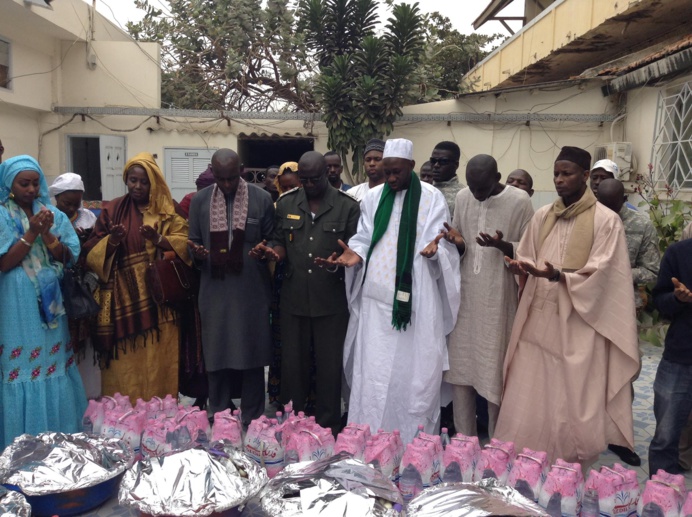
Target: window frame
x,y
8,86
671,152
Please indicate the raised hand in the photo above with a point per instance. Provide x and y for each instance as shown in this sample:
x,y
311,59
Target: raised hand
x,y
515,267
532,270
38,223
197,250
150,233
485,239
452,235
117,234
262,251
348,258
431,249
681,292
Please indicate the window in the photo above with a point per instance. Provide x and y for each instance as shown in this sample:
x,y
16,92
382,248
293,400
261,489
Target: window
x,y
4,64
672,150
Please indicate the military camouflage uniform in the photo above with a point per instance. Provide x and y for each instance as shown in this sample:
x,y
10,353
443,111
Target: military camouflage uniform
x,y
449,189
642,245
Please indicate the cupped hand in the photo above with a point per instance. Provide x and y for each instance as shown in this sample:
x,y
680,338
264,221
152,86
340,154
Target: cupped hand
x,y
487,240
347,258
262,251
431,249
453,235
150,233
198,251
681,292
117,234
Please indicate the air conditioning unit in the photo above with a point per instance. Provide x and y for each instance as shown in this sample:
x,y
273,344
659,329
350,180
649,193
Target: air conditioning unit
x,y
620,153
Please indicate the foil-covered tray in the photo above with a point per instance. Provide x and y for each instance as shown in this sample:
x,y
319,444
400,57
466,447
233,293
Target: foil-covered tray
x,y
57,462
192,482
484,498
13,504
339,485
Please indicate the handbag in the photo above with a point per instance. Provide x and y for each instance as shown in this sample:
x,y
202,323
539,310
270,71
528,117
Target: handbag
x,y
170,280
78,301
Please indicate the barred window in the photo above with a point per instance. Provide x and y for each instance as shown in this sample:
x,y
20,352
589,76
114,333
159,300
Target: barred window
x,y
4,64
672,149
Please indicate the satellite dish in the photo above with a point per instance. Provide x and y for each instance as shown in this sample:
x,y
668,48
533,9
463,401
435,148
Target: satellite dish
x,y
39,3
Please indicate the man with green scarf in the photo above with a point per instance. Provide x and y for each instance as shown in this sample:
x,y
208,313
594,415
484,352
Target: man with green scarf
x,y
574,348
403,290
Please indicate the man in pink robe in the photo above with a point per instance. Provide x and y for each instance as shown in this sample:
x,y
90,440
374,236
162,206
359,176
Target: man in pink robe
x,y
574,347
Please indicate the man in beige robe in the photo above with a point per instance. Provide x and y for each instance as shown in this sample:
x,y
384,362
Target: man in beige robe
x,y
573,349
489,220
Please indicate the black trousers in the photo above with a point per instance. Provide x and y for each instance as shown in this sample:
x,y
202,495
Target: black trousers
x,y
327,333
224,385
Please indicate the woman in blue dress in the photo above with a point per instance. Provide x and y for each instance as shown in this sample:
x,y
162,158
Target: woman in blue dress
x,y
40,387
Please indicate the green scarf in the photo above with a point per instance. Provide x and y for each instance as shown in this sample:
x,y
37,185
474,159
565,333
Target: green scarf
x,y
405,249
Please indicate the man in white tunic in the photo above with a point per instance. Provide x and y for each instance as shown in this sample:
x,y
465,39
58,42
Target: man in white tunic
x,y
404,298
489,220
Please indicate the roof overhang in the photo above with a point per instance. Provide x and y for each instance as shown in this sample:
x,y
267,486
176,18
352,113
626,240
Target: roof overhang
x,y
490,12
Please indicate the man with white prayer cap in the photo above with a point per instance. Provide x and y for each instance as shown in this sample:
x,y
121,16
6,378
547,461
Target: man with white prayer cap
x,y
402,283
68,189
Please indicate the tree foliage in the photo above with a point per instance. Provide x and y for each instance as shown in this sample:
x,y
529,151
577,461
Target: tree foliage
x,y
364,79
229,54
331,56
449,55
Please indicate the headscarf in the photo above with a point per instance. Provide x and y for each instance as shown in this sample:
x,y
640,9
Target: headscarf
x,y
292,166
43,273
205,179
13,166
160,199
66,182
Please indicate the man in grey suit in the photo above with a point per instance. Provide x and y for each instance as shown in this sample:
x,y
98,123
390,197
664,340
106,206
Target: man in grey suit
x,y
227,219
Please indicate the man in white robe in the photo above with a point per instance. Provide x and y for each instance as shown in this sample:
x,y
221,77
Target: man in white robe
x,y
574,346
489,220
395,374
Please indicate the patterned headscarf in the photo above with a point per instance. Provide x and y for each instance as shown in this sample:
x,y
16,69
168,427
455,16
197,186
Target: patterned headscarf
x,y
160,199
13,166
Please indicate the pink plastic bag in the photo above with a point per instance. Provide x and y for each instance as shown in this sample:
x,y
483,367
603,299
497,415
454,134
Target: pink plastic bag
x,y
126,425
92,421
196,421
423,455
528,473
465,451
262,445
564,486
384,451
664,495
687,507
618,490
353,440
228,427
496,461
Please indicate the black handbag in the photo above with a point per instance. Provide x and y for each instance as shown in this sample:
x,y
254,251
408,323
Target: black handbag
x,y
77,298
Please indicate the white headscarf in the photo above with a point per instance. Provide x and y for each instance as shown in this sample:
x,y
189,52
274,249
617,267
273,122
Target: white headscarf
x,y
65,182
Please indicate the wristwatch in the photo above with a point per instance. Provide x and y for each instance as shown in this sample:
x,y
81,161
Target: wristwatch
x,y
555,277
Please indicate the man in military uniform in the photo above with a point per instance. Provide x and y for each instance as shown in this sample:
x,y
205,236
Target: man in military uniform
x,y
308,224
445,162
642,246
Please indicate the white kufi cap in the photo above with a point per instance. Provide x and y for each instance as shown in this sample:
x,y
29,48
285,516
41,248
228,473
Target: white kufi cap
x,y
65,182
398,148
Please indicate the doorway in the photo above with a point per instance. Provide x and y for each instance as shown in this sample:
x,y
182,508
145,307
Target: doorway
x,y
99,160
257,152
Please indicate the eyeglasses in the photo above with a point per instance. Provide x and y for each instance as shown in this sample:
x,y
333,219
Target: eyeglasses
x,y
441,161
313,180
